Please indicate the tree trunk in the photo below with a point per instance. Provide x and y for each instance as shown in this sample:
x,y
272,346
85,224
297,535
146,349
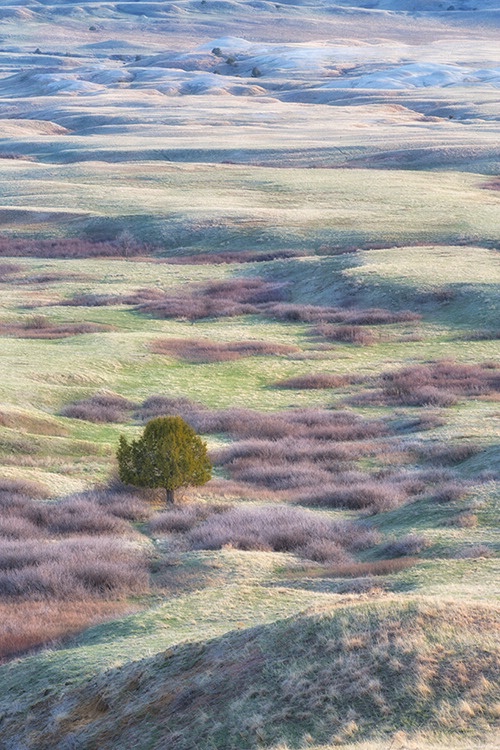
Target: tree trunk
x,y
170,497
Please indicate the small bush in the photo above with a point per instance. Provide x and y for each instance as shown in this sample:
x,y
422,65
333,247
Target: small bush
x,y
39,327
324,550
316,381
465,520
372,568
183,518
167,406
371,495
450,492
407,546
348,334
474,551
91,299
442,454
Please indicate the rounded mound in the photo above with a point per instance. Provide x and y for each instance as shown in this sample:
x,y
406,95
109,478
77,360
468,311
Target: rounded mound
x,y
352,673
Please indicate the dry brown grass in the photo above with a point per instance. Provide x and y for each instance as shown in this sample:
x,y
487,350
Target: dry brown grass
x,y
31,423
356,569
25,626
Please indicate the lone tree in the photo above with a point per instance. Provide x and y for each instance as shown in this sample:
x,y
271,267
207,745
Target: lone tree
x,y
169,454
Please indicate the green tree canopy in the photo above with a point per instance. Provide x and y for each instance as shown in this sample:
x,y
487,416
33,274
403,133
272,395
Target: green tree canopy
x,y
169,454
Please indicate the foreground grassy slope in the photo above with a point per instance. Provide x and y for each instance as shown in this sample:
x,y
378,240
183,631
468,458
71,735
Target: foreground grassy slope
x,y
356,670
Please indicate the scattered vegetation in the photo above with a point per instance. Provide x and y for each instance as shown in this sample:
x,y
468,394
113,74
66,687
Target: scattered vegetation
x,y
407,546
241,296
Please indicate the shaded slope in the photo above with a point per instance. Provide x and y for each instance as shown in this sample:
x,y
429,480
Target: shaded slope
x,y
342,675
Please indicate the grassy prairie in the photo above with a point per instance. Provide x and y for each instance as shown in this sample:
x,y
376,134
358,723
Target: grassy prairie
x,y
337,583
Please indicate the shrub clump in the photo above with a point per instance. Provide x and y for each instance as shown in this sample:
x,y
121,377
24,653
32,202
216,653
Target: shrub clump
x,y
407,546
69,549
282,529
100,408
216,299
182,518
350,316
346,334
72,569
372,495
438,384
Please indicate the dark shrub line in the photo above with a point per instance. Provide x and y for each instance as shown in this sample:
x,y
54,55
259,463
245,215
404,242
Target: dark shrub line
x,y
314,381
40,327
205,350
243,256
68,248
251,296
